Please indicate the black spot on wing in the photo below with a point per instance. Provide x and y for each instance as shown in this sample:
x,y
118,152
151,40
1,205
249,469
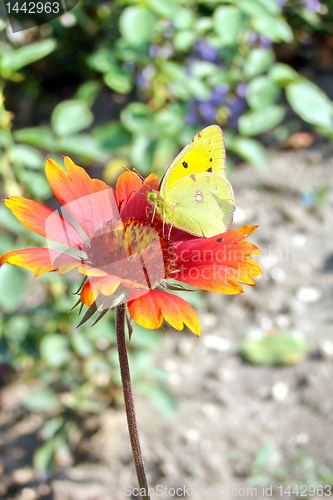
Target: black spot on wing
x,y
185,164
210,159
210,169
219,240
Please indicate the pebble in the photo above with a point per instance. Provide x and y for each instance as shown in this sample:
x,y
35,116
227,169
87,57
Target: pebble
x,y
326,349
23,475
240,216
266,323
216,343
282,320
278,274
302,438
192,435
280,391
308,294
298,240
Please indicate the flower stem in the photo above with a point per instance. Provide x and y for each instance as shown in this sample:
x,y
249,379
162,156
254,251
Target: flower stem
x,y
129,403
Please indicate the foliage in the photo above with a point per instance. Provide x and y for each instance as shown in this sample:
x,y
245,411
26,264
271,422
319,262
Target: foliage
x,y
130,82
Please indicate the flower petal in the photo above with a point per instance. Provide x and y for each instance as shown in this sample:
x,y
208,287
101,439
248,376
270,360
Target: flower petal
x,y
131,194
90,201
40,260
148,310
44,221
95,286
219,263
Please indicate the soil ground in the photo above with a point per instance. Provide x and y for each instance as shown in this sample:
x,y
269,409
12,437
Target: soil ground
x,y
239,427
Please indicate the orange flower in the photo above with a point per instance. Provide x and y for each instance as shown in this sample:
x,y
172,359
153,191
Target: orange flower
x,y
124,253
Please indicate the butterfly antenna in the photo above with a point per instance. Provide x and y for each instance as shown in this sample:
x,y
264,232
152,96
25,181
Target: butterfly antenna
x,y
135,172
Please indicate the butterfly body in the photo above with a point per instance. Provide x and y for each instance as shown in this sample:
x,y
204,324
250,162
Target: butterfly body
x,y
194,193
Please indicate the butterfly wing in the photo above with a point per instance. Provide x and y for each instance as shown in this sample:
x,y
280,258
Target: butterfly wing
x,y
205,153
202,204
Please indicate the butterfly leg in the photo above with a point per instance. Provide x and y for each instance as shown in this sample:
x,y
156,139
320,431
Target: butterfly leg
x,y
171,226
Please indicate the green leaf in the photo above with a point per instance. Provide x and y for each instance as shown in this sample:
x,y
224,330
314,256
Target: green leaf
x,y
27,156
81,344
82,145
36,183
89,91
111,136
279,349
9,221
14,60
142,153
137,25
251,150
13,286
283,74
44,455
310,103
41,137
137,118
170,120
168,9
198,89
185,19
103,60
228,24
6,243
184,40
275,28
162,399
165,150
261,92
258,61
118,79
258,7
54,349
43,399
261,120
71,116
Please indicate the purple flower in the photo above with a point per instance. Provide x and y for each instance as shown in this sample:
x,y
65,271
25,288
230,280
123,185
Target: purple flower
x,y
206,52
313,5
154,50
219,94
207,110
241,89
236,107
192,116
263,41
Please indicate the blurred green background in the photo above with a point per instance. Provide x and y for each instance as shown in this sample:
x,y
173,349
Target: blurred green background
x,y
130,83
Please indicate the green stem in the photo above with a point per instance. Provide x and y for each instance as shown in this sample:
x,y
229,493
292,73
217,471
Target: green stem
x,y
129,403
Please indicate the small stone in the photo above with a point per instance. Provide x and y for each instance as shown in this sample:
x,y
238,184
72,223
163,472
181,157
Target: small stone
x,y
282,320
280,391
266,323
192,435
28,494
326,349
278,274
216,343
302,438
308,294
240,216
298,240
23,475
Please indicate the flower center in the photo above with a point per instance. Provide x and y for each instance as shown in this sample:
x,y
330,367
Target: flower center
x,y
133,250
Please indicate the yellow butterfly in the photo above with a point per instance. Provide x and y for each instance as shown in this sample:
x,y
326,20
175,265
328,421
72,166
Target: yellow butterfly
x,y
194,194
